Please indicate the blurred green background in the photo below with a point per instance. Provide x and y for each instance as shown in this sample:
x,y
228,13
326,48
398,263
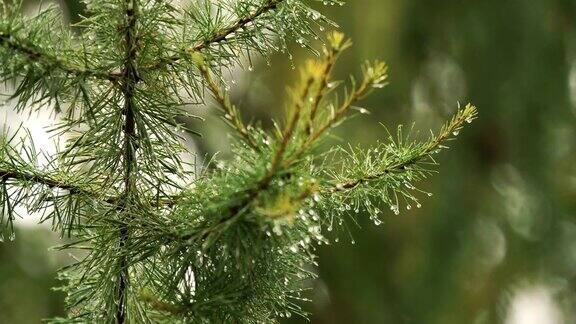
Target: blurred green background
x,y
497,241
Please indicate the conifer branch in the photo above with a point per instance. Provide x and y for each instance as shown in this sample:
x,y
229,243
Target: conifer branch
x,y
315,73
35,55
220,35
374,75
230,111
395,166
432,146
291,125
261,185
130,79
45,180
55,182
337,45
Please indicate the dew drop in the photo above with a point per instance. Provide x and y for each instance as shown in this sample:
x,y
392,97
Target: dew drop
x,y
316,197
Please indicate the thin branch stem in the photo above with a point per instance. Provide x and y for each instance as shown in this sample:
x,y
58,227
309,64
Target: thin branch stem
x,y
357,95
340,112
230,111
35,54
435,143
44,180
130,79
324,79
220,35
290,127
74,189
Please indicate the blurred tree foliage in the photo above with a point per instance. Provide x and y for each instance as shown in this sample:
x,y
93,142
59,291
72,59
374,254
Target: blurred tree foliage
x,y
503,219
27,271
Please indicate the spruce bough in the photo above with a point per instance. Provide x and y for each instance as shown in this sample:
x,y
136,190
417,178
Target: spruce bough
x,y
157,239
